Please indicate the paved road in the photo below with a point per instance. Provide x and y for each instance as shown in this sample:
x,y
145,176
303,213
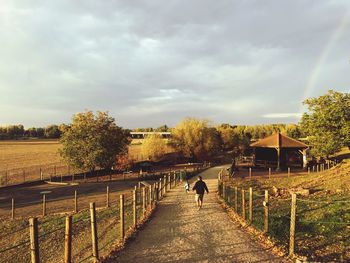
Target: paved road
x,y
180,233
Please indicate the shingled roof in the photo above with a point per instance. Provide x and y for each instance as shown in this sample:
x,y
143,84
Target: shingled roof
x,y
279,140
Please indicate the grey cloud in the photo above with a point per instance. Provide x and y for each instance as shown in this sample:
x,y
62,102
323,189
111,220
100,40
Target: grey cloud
x,y
155,62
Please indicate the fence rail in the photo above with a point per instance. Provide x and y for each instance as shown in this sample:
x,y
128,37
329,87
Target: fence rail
x,y
88,234
293,219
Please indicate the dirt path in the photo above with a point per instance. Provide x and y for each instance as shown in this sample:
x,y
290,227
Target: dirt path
x,y
180,233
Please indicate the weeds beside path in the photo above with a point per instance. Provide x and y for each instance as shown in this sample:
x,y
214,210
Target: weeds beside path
x,y
180,233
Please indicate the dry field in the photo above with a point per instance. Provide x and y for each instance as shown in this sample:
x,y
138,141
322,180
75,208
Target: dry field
x,y
25,154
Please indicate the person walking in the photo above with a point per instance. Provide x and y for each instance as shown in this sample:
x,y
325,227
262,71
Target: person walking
x,y
200,186
187,186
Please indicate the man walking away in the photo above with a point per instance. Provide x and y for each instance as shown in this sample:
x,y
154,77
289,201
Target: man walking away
x,y
200,186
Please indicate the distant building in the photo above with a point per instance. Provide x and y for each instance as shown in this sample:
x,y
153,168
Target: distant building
x,y
279,151
142,135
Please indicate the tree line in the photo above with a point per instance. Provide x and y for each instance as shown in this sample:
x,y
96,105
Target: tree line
x,y
15,132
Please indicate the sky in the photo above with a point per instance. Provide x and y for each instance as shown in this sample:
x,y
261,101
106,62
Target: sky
x,y
157,62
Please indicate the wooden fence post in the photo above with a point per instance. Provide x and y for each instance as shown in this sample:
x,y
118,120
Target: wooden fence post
x,y
243,204
44,204
266,212
169,180
269,172
13,208
160,189
122,221
164,185
68,240
236,199
107,196
143,201
292,224
224,191
134,210
250,205
308,170
250,173
34,240
150,196
94,237
75,201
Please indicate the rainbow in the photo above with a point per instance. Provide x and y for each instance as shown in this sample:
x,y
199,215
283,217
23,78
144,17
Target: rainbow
x,y
310,85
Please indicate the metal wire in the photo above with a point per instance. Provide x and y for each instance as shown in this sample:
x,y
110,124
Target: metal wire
x,y
50,232
323,222
15,246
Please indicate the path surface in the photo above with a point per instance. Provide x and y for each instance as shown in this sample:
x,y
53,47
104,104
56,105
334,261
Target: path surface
x,y
178,232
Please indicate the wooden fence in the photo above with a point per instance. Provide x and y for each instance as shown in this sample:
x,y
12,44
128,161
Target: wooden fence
x,y
279,218
87,234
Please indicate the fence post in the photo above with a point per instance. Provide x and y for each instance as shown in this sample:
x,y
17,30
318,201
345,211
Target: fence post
x,y
288,171
250,173
94,237
165,184
224,191
266,212
269,172
44,204
160,189
243,204
122,228
13,208
308,170
250,205
143,201
169,180
75,201
236,199
68,240
292,224
34,240
134,210
150,196
107,196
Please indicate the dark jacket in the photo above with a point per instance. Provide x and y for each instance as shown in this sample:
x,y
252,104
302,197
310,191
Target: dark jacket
x,y
200,186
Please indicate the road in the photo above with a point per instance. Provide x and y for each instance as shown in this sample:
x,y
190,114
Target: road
x,y
178,232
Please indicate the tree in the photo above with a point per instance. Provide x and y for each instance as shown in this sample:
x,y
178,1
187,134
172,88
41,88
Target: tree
x,y
153,147
195,139
93,141
327,123
229,137
52,132
163,128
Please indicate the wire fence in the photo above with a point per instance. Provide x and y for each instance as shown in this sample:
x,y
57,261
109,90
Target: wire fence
x,y
318,230
92,232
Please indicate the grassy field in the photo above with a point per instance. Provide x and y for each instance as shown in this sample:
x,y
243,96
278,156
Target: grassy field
x,y
323,217
24,154
27,154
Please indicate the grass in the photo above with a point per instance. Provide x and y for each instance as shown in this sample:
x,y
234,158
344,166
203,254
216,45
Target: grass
x,y
51,235
25,154
323,218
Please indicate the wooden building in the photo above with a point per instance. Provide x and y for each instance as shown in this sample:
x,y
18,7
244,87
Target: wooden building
x,y
279,151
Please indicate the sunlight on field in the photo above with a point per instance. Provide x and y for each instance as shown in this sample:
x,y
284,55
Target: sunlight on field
x,y
22,154
25,154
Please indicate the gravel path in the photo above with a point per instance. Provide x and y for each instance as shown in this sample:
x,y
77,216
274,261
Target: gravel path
x,y
178,232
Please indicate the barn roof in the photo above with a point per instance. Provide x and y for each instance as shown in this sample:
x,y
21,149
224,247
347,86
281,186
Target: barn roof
x,y
279,140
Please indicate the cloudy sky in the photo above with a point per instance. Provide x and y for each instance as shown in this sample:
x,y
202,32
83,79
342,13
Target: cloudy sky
x,y
156,62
